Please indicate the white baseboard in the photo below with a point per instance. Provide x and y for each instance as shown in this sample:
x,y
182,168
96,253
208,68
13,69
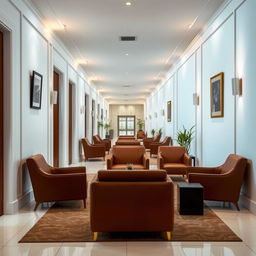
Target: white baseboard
x,y
248,203
14,206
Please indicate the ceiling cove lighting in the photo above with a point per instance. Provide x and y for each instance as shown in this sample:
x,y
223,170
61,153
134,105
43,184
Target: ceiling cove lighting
x,y
192,24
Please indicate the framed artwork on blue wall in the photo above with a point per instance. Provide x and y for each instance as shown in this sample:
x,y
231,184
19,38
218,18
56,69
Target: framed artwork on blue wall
x,y
217,95
36,90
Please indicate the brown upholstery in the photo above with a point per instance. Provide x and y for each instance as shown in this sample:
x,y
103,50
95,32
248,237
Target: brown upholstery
x,y
173,159
155,145
52,184
123,155
127,142
98,141
92,151
141,135
126,137
222,183
148,141
132,201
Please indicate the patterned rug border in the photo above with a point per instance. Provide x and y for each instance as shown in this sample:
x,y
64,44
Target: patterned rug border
x,y
31,235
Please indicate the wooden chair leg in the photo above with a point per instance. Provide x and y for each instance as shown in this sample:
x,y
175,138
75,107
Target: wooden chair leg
x,y
169,236
237,207
36,206
95,236
84,203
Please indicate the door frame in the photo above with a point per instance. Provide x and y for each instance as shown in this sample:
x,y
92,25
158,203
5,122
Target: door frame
x,y
70,121
1,123
126,116
56,130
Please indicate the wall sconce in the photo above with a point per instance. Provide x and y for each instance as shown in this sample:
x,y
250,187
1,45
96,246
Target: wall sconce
x,y
195,99
92,113
162,112
236,86
150,117
54,97
155,115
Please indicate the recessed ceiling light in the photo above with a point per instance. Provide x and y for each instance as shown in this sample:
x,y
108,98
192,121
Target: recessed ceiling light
x,y
128,3
127,54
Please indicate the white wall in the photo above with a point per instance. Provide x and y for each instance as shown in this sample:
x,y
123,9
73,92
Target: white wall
x,y
226,45
29,131
130,110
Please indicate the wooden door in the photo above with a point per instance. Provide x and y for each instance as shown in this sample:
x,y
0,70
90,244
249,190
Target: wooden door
x,y
56,81
70,131
1,123
85,115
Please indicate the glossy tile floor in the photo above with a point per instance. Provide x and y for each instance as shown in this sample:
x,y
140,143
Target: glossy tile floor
x,y
13,227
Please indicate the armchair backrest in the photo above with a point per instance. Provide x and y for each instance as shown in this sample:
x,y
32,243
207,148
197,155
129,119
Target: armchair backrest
x,y
166,141
172,154
128,154
37,163
96,139
134,176
157,138
86,143
234,164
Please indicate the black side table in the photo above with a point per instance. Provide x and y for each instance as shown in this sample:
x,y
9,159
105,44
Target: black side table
x,y
191,199
193,158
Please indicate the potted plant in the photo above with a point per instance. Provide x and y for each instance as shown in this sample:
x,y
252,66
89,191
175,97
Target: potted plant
x,y
185,137
140,124
129,167
160,132
153,131
107,126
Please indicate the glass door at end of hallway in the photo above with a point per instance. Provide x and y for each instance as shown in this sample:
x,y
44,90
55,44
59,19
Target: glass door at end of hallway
x,y
126,125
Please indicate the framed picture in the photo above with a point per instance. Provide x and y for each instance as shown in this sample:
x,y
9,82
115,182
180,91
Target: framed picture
x,y
36,90
217,97
169,111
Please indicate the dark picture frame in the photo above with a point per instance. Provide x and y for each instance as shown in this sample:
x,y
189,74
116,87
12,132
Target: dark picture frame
x,y
36,90
217,95
169,111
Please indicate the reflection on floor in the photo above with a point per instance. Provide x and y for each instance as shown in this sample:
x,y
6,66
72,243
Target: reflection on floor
x,y
13,227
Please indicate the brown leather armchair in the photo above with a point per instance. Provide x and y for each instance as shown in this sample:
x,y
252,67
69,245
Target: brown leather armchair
x,y
222,183
127,142
132,201
173,159
140,135
148,141
92,151
123,155
155,145
52,184
97,140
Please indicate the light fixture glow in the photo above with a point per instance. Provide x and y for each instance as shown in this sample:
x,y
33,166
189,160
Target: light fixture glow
x,y
127,54
128,3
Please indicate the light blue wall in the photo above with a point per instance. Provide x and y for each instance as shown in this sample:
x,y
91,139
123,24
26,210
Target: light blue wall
x,y
228,46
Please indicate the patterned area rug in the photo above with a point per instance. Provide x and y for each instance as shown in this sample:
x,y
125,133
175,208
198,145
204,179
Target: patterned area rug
x,y
70,222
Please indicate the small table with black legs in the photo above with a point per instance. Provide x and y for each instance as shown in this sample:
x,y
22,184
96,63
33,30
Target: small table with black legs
x,y
191,199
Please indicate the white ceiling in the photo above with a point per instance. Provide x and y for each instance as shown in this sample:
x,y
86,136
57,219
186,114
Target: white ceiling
x,y
93,27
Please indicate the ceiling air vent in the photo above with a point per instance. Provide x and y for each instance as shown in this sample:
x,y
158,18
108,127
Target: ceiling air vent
x,y
128,38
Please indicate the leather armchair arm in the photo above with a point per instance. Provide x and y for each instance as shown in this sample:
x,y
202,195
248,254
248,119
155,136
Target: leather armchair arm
x,y
210,179
146,161
67,170
187,160
109,161
201,170
160,161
